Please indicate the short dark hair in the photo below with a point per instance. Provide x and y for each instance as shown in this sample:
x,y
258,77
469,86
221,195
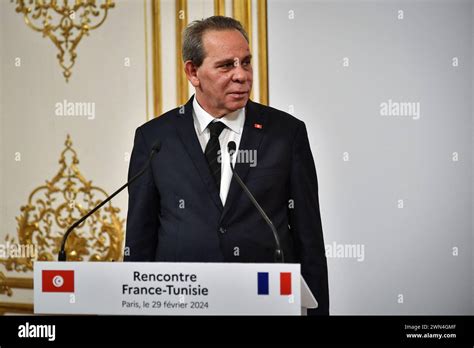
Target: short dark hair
x,y
193,48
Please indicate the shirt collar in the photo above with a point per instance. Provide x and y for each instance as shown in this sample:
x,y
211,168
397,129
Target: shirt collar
x,y
234,120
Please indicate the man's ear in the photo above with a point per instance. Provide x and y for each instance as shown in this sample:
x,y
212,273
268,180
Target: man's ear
x,y
191,73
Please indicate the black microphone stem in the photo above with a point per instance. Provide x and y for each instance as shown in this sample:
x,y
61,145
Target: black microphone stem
x,y
279,257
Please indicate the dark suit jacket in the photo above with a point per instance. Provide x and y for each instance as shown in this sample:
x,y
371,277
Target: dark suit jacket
x,y
175,213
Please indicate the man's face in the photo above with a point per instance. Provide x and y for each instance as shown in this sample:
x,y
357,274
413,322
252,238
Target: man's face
x,y
224,80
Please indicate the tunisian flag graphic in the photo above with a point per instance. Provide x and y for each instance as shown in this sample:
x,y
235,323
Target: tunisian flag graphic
x,y
58,281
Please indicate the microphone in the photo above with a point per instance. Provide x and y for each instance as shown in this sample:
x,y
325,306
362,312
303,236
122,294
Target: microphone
x,y
62,252
279,258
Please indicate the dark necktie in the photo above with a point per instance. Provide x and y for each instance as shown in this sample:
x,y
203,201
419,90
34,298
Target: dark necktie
x,y
212,151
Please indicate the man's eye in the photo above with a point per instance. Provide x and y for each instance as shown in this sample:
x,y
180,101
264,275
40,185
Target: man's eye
x,y
233,64
226,65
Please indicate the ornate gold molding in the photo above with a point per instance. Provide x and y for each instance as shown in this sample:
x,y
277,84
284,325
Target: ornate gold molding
x,y
9,283
50,210
145,22
242,11
181,80
219,7
156,24
262,51
65,23
13,307
54,206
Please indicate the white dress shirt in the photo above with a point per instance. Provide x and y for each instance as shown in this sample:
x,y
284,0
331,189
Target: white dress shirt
x,y
233,132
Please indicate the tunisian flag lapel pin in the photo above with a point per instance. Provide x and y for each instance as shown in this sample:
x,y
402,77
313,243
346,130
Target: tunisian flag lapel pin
x,y
257,125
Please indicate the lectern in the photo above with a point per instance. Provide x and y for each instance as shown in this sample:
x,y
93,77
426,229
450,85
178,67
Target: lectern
x,y
166,288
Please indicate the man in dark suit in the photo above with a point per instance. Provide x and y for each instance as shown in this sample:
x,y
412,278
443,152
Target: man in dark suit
x,y
188,207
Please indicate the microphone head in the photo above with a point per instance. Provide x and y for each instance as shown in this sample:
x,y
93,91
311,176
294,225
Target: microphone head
x,y
156,146
231,147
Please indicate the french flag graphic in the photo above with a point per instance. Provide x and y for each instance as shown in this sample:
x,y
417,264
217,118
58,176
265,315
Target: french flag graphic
x,y
263,281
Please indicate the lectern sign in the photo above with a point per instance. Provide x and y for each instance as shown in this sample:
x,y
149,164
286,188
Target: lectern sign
x,y
154,288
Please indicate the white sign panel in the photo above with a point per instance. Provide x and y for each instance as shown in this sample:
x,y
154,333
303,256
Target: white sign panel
x,y
152,288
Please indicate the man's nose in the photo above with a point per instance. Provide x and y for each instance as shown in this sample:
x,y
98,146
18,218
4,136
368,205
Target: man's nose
x,y
240,74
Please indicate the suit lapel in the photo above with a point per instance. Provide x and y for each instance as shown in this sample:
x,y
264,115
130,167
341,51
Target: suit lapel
x,y
187,133
252,134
